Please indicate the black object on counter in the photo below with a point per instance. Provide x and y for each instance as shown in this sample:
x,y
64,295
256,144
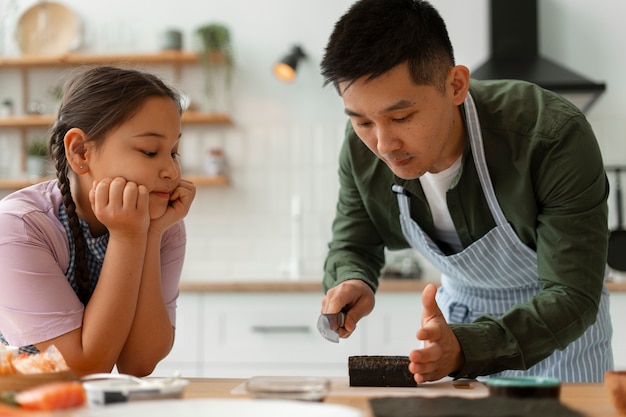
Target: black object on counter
x,y
524,387
380,371
465,407
617,241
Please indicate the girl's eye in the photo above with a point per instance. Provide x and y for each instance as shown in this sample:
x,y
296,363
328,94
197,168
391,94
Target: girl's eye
x,y
148,153
175,155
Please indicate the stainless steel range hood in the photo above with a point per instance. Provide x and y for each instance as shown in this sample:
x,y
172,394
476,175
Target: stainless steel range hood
x,y
515,55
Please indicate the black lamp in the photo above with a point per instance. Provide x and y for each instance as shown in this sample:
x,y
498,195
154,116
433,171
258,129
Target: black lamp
x,y
285,69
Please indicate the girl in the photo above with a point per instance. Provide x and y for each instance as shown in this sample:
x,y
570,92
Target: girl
x,y
91,260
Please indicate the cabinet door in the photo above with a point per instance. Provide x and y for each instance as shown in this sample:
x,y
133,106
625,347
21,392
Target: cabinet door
x,y
270,334
390,329
185,356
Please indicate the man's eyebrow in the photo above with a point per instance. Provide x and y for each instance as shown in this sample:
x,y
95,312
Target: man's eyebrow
x,y
401,104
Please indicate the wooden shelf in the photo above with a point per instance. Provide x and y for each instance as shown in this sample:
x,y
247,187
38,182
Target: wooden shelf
x,y
198,180
203,180
166,57
46,120
176,59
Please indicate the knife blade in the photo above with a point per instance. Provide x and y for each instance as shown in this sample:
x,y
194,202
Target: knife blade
x,y
329,324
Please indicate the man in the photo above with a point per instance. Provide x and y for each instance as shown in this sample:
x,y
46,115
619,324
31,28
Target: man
x,y
500,184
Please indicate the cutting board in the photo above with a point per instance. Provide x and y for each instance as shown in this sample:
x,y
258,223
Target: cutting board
x,y
464,388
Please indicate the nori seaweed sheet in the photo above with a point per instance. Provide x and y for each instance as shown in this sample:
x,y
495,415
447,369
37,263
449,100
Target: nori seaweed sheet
x,y
380,371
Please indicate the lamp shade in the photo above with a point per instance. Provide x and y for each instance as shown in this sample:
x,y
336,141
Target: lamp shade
x,y
285,69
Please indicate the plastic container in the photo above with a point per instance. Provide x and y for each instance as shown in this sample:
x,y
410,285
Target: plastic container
x,y
289,387
524,387
103,389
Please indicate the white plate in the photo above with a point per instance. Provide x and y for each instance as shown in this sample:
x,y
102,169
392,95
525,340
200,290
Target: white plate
x,y
223,408
48,28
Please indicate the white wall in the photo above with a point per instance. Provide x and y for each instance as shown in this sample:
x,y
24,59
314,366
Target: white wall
x,y
286,137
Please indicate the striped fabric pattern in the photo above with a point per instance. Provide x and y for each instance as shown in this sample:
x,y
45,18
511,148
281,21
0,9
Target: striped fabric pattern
x,y
499,271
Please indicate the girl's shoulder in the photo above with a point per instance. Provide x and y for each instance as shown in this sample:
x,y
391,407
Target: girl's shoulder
x,y
33,207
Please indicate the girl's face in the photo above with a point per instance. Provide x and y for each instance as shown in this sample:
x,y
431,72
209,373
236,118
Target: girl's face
x,y
143,150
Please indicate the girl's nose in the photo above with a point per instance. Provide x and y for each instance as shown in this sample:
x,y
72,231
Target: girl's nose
x,y
171,170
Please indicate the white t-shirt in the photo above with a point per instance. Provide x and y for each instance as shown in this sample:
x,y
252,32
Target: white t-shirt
x,y
435,187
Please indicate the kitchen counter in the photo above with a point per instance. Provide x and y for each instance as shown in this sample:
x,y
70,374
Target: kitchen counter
x,y
589,399
386,285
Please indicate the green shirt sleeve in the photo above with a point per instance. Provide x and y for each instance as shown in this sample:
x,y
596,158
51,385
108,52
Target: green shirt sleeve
x,y
366,219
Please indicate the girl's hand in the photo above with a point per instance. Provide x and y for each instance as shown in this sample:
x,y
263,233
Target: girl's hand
x,y
121,206
180,202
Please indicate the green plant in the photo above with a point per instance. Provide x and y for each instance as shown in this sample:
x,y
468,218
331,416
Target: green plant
x,y
56,92
215,52
37,148
214,38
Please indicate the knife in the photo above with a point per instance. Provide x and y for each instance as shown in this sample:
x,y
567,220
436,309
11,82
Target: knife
x,y
329,324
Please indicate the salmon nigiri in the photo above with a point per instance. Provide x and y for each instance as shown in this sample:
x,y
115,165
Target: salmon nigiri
x,y
52,396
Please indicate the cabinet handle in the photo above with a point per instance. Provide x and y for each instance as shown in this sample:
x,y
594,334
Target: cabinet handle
x,y
281,329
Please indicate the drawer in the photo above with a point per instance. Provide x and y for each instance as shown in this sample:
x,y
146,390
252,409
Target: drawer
x,y
278,329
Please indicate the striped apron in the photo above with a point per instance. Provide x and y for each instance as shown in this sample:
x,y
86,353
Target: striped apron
x,y
497,272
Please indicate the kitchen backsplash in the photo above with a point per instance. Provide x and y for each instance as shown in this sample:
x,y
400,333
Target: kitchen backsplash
x,y
278,208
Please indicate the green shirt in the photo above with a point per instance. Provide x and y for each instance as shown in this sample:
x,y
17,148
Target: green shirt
x,y
549,179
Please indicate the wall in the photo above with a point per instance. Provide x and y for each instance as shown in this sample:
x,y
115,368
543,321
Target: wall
x,y
286,137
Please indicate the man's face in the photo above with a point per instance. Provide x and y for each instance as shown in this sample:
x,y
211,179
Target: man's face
x,y
413,128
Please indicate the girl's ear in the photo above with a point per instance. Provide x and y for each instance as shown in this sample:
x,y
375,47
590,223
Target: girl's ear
x,y
76,147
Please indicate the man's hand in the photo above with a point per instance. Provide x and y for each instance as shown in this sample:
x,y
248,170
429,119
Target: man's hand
x,y
441,354
354,296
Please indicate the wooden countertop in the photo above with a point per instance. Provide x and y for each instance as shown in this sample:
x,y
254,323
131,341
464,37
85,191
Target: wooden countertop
x,y
386,285
592,400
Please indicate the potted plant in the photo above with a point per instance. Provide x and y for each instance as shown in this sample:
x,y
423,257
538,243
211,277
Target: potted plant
x,y
56,94
36,159
216,55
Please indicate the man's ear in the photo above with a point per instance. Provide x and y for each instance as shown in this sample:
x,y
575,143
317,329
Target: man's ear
x,y
458,80
76,150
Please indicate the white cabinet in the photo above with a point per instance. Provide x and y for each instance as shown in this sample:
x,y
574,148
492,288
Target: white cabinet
x,y
186,355
243,334
391,328
240,334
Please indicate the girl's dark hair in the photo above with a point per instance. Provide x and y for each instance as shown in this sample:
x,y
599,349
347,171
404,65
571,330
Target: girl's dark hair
x,y
97,100
374,36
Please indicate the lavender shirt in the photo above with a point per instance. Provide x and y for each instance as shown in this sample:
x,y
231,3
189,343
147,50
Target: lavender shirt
x,y
37,302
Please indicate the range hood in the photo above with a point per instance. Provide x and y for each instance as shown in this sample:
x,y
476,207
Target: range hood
x,y
515,55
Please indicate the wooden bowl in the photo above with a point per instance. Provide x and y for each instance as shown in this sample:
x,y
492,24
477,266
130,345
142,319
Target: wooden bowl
x,y
20,382
615,383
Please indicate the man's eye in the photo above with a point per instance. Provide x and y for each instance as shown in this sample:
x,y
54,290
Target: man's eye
x,y
401,119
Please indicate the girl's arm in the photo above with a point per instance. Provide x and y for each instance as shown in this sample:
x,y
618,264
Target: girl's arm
x,y
152,334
